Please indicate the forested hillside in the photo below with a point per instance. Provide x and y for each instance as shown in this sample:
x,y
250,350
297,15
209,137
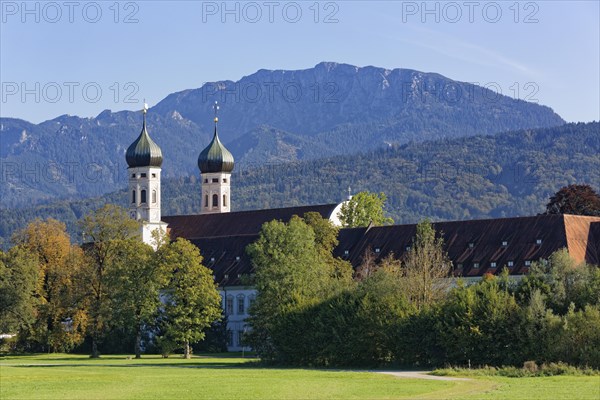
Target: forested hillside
x,y
269,116
507,174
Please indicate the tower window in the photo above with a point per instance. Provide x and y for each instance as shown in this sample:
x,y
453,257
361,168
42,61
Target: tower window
x,y
206,181
154,196
224,200
224,180
143,197
215,200
215,180
133,196
154,175
143,175
205,200
133,176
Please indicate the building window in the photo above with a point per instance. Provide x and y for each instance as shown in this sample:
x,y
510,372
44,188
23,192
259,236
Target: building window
x,y
133,175
154,175
527,263
237,258
475,265
346,252
215,180
377,250
511,263
206,181
154,196
240,305
215,200
224,180
229,305
224,200
493,264
229,338
205,200
143,197
471,245
538,241
407,248
504,243
133,196
142,175
251,300
458,266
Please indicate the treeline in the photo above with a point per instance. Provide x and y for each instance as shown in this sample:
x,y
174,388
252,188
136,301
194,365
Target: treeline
x,y
112,294
508,174
312,310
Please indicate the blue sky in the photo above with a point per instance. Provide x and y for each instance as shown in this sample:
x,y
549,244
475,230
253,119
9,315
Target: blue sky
x,y
82,57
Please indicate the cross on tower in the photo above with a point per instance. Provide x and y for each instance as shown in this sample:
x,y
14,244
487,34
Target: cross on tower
x,y
216,108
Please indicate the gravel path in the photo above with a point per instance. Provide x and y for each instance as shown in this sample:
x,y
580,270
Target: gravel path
x,y
420,375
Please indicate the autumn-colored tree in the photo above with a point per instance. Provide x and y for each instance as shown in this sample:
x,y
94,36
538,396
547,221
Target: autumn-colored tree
x,y
61,315
104,230
364,209
574,199
191,299
426,266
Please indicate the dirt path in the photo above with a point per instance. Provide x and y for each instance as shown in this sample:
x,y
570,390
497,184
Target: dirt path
x,y
420,375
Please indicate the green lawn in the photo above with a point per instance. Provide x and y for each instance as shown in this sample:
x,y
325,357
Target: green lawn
x,y
115,377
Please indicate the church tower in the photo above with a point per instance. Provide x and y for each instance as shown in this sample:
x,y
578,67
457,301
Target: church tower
x,y
215,163
144,159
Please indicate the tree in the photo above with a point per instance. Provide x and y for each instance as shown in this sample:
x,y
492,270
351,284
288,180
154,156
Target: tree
x,y
191,299
18,278
363,209
103,231
574,199
290,275
135,279
426,266
61,316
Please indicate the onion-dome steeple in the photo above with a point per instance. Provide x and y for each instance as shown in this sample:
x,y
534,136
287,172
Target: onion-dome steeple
x,y
143,152
215,157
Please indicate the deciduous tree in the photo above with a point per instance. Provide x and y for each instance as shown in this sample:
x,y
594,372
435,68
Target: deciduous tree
x,y
363,209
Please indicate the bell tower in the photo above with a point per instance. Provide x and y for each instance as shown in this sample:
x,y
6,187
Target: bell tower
x,y
144,159
215,163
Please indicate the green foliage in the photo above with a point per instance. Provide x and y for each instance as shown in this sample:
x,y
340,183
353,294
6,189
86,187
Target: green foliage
x,y
364,209
191,299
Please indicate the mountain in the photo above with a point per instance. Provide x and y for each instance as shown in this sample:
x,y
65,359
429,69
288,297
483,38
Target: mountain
x,y
502,175
266,117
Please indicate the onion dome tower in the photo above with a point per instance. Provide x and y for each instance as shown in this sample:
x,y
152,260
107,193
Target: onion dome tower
x,y
215,163
144,159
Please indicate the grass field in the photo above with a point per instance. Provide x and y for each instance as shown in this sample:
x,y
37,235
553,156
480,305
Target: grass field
x,y
116,377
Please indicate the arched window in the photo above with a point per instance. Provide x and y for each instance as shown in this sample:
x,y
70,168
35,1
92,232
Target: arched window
x,y
143,197
215,200
154,196
224,200
133,196
205,200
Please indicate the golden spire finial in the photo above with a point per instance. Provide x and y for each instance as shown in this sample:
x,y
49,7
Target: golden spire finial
x,y
216,108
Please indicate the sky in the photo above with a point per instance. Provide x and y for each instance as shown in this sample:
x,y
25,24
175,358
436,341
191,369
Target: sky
x,y
82,57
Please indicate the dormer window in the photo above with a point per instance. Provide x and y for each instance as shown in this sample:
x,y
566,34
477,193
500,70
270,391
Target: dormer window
x,y
459,265
493,264
471,245
377,250
237,258
212,259
346,252
538,241
504,243
511,263
476,265
407,248
527,263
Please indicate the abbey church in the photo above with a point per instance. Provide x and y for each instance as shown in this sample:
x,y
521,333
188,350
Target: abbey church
x,y
476,247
